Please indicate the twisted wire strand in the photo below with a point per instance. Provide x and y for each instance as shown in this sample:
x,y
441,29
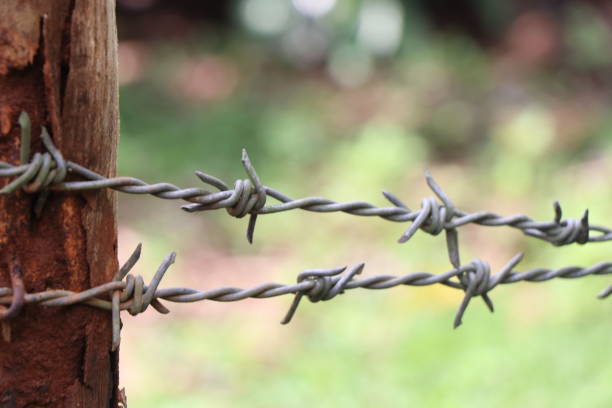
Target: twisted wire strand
x,y
128,292
47,172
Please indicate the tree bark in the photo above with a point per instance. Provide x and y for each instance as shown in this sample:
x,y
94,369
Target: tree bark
x,y
58,62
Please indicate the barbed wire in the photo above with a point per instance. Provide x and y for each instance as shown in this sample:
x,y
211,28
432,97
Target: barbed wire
x,y
128,291
47,172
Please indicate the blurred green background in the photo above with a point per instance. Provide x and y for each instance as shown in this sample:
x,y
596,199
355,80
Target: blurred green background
x,y
507,103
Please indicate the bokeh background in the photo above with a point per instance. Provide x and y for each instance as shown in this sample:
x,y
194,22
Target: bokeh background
x,y
507,103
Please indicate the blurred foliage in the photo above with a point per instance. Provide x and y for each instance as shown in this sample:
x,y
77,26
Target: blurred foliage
x,y
507,129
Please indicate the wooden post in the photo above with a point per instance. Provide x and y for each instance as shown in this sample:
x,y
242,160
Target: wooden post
x,y
58,62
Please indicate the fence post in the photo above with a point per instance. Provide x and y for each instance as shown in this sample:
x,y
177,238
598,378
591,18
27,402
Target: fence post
x,y
58,62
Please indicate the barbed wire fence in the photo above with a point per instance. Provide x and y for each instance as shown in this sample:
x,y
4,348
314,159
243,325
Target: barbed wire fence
x,y
47,172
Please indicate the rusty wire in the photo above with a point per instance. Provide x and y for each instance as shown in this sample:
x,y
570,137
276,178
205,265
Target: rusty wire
x,y
47,172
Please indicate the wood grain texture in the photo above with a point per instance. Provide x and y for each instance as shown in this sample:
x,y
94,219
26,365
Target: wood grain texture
x,y
58,62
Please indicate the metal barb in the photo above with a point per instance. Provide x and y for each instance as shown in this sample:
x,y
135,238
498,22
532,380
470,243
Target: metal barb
x,y
26,134
119,276
248,196
324,286
476,283
605,293
134,296
18,293
569,231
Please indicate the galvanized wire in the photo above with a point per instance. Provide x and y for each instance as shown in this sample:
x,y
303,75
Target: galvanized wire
x,y
47,172
128,292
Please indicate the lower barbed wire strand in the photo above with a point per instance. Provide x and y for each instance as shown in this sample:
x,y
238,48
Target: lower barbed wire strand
x,y
230,294
128,292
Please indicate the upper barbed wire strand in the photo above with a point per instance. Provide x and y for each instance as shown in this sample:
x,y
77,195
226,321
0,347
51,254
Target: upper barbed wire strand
x,y
47,171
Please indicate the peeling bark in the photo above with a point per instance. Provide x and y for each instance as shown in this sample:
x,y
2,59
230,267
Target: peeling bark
x,y
58,62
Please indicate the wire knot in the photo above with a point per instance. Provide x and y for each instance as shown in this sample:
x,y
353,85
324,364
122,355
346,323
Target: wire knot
x,y
478,278
134,293
324,287
570,230
321,284
433,217
474,282
136,296
437,216
249,199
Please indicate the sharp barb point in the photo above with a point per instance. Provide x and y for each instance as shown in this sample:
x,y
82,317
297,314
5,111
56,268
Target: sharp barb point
x,y
558,212
489,303
605,293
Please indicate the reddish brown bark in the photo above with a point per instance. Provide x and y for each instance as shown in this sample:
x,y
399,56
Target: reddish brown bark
x,y
58,63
